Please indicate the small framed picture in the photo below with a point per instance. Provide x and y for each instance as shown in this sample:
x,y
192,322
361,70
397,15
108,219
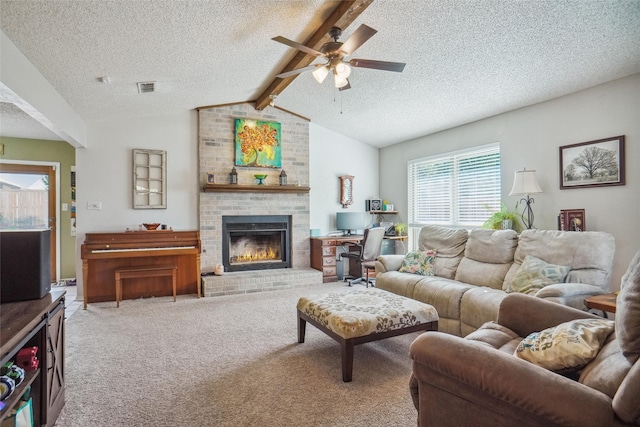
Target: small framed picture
x,y
593,163
210,178
572,220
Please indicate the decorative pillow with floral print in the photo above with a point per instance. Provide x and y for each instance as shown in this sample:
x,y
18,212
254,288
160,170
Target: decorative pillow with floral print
x,y
420,262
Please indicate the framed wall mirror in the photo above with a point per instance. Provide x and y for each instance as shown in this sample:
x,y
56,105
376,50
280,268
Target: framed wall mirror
x,y
149,179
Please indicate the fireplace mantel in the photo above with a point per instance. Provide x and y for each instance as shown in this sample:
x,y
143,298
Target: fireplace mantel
x,y
240,188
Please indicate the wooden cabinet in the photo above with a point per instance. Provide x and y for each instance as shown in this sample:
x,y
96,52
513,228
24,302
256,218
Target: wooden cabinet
x,y
324,254
54,391
37,323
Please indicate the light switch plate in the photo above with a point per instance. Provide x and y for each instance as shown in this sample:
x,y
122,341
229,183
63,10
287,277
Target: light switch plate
x,y
96,206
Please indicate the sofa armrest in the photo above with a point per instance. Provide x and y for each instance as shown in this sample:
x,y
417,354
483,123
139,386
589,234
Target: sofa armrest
x,y
463,382
386,263
559,290
571,294
524,314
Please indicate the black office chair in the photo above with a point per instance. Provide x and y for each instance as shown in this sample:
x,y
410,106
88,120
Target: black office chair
x,y
363,254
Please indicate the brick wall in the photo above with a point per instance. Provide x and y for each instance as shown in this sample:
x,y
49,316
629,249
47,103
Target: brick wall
x,y
217,156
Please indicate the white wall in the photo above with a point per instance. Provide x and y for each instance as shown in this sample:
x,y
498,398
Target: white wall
x,y
105,175
530,137
333,155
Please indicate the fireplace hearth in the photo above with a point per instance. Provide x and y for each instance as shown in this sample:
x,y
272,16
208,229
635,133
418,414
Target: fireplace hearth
x,y
256,242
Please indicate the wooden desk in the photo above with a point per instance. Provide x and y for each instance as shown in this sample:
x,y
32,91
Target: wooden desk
x,y
324,251
605,302
323,254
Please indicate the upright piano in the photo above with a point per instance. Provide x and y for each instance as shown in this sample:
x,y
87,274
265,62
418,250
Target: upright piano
x,y
103,253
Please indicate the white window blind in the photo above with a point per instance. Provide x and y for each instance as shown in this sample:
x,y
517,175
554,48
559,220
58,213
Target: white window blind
x,y
461,188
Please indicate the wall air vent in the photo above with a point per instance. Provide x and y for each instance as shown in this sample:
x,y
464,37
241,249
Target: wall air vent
x,y
146,87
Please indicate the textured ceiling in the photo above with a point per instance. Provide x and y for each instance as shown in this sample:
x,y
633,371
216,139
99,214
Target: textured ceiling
x,y
466,60
17,124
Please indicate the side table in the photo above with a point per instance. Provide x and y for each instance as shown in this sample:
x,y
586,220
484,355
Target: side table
x,y
605,302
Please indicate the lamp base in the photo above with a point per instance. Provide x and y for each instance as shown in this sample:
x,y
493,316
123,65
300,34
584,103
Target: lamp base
x,y
528,221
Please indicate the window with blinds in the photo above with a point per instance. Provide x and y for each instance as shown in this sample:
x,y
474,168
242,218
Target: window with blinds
x,y
461,188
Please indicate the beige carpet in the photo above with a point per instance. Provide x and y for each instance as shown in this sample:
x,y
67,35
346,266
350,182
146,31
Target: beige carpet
x,y
226,361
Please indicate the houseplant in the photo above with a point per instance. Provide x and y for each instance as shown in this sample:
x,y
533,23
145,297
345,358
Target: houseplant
x,y
401,229
495,221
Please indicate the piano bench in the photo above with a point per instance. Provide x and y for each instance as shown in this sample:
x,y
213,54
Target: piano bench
x,y
141,271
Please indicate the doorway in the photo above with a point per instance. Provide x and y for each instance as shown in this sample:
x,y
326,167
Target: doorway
x,y
28,200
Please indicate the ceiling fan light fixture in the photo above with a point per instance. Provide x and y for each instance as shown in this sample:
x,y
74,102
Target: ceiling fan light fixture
x,y
321,73
342,71
335,52
340,82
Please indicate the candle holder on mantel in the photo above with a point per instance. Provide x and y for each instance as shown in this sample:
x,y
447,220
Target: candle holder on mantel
x,y
233,176
283,177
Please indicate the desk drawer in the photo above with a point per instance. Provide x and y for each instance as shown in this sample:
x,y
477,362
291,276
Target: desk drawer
x,y
328,250
328,260
329,271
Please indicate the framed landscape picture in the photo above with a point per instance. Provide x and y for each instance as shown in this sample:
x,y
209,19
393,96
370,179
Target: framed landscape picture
x,y
593,163
258,143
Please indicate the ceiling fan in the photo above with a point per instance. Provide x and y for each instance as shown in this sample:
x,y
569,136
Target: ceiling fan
x,y
335,52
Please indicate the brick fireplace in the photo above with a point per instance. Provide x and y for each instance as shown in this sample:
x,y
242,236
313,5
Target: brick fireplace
x,y
217,156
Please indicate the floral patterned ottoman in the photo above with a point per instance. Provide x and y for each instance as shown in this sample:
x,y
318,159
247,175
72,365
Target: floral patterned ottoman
x,y
361,316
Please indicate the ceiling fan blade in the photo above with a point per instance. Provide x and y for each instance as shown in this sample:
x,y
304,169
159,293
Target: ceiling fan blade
x,y
345,87
378,65
298,71
298,46
357,39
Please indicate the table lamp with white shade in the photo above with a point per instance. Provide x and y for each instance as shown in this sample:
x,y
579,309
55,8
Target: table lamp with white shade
x,y
524,184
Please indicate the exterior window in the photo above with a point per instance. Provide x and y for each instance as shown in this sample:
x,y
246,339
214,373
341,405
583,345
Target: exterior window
x,y
457,189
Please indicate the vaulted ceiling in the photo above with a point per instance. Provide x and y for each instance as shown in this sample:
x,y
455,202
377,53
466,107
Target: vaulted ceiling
x,y
466,60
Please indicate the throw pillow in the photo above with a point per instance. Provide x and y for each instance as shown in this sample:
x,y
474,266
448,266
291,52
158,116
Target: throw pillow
x,y
420,262
570,345
534,274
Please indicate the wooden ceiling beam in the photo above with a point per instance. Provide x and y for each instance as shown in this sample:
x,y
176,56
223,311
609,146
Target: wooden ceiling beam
x,y
343,16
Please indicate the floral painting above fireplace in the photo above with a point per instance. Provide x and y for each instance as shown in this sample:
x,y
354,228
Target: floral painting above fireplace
x,y
258,143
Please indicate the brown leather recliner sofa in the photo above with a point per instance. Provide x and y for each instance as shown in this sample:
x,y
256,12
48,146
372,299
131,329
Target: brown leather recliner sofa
x,y
477,381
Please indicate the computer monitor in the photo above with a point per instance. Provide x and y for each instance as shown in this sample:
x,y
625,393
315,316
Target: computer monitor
x,y
349,222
